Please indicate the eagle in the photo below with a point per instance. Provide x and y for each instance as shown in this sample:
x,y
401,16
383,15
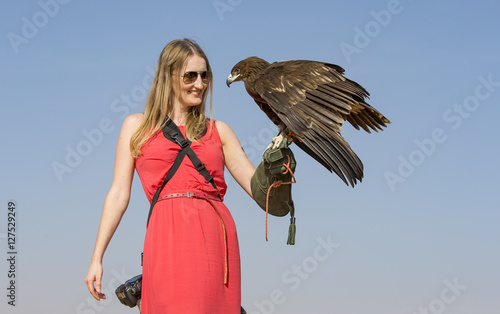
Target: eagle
x,y
309,101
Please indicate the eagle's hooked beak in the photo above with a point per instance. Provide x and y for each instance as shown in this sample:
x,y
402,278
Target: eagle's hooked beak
x,y
231,79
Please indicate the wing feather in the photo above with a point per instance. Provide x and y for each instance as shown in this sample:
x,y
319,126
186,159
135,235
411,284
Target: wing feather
x,y
313,100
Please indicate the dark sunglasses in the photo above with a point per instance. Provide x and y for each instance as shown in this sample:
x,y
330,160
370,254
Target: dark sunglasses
x,y
191,77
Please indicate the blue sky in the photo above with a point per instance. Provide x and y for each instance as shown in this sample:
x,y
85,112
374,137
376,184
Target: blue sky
x,y
420,233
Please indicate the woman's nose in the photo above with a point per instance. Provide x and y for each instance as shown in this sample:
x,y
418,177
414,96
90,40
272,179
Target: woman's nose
x,y
199,83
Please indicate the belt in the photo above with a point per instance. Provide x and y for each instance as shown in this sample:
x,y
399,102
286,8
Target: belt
x,y
209,198
190,195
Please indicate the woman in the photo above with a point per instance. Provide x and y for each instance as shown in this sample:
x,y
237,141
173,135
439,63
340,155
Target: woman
x,y
191,256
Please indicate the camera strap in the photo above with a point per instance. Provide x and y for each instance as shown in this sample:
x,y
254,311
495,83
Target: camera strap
x,y
172,133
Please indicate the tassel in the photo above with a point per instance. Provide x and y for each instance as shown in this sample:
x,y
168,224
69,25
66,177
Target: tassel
x,y
292,229
291,232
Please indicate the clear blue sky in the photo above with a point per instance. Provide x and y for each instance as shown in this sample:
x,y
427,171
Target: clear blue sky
x,y
420,233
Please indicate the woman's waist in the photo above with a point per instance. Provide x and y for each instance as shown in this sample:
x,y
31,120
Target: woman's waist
x,y
198,194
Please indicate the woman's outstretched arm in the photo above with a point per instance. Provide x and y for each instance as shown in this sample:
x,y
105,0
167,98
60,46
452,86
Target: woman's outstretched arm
x,y
115,204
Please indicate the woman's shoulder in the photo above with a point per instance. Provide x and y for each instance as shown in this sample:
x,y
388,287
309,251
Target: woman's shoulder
x,y
225,131
134,118
133,121
222,126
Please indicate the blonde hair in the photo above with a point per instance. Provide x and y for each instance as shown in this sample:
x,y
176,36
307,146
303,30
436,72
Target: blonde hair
x,y
159,104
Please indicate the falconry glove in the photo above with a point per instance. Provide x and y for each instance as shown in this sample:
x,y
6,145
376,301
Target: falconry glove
x,y
271,185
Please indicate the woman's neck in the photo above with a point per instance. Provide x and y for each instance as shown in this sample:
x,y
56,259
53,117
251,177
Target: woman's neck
x,y
179,115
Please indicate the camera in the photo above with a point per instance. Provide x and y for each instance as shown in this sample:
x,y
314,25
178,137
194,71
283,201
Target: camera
x,y
130,292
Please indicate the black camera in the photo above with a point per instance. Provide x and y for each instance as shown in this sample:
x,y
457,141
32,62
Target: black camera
x,y
130,292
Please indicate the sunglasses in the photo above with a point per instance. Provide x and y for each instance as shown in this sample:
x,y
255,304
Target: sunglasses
x,y
191,77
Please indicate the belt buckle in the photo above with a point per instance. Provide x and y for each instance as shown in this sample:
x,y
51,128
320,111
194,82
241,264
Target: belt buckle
x,y
190,194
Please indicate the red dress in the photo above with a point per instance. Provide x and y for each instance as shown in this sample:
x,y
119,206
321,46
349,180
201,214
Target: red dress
x,y
191,255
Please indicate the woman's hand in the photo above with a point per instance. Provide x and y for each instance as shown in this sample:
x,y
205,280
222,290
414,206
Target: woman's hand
x,y
95,276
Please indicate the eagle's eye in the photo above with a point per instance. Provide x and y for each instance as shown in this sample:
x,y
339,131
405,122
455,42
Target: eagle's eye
x,y
236,71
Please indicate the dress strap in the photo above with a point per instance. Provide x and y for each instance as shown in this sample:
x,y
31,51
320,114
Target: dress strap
x,y
172,133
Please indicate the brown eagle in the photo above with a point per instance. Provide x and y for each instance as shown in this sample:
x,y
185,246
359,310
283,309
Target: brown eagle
x,y
309,101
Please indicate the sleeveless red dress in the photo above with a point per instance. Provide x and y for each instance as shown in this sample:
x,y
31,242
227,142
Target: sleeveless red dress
x,y
191,256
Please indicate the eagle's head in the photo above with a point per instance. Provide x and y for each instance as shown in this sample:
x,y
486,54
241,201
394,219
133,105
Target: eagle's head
x,y
246,68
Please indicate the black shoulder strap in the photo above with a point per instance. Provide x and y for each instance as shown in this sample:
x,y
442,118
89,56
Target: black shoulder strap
x,y
172,133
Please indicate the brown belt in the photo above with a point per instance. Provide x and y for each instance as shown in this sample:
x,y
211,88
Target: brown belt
x,y
190,195
209,198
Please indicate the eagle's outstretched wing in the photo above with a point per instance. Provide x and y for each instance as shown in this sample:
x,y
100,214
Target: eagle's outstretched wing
x,y
313,99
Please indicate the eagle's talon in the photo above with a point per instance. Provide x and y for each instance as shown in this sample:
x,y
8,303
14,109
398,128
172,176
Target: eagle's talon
x,y
269,146
280,141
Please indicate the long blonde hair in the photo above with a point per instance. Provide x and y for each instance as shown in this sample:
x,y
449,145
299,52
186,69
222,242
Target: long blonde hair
x,y
159,104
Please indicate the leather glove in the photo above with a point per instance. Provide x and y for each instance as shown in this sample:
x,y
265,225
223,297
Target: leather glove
x,y
271,185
